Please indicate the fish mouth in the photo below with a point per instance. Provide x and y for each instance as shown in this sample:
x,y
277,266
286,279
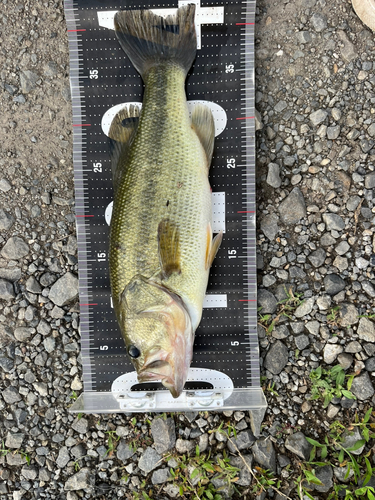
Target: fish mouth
x,y
172,377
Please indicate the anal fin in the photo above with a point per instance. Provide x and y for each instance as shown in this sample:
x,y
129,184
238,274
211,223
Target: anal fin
x,y
121,134
204,126
213,246
169,248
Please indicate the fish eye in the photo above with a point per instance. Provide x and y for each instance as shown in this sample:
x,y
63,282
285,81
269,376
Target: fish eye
x,y
134,352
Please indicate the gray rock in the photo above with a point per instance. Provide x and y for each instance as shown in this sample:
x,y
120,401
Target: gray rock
x,y
32,285
164,434
313,327
269,226
256,419
341,472
41,388
267,302
15,248
333,284
28,81
29,472
345,360
245,477
49,344
319,22
43,327
273,176
353,203
348,314
361,263
348,51
353,347
333,222
303,37
258,121
332,411
149,460
362,387
185,446
331,351
80,425
368,288
14,440
318,117
6,290
302,341
124,451
280,106
366,330
305,308
370,364
280,332
243,441
11,395
325,475
350,438
82,480
297,444
203,442
264,453
64,290
342,248
293,208
6,364
333,132
47,279
63,457
317,257
226,489
276,358
327,240
371,130
370,181
6,220
5,186
160,476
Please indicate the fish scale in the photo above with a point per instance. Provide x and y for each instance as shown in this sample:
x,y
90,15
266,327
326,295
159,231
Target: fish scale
x,y
226,342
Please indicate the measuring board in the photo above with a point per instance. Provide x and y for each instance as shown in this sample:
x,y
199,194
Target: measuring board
x,y
224,373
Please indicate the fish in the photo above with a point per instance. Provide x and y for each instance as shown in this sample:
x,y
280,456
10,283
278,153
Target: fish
x,y
161,243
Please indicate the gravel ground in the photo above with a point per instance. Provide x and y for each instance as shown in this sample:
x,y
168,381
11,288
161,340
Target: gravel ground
x,y
316,212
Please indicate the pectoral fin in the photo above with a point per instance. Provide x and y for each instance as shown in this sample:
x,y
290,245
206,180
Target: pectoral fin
x,y
169,248
121,134
204,126
213,246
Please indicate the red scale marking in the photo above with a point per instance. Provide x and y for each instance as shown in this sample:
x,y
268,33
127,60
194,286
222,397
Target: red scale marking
x,y
88,304
84,216
71,31
81,124
246,118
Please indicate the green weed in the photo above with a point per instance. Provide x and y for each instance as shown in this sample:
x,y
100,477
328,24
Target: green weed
x,y
327,384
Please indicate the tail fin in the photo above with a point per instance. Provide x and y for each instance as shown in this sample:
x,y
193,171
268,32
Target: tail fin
x,y
150,40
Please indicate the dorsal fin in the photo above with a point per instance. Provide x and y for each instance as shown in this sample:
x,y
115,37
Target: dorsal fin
x,y
121,134
204,126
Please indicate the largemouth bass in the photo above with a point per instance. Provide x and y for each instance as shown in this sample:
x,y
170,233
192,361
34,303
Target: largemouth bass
x,y
161,242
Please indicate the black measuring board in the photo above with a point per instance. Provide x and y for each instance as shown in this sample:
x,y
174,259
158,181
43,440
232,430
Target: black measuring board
x,y
223,73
